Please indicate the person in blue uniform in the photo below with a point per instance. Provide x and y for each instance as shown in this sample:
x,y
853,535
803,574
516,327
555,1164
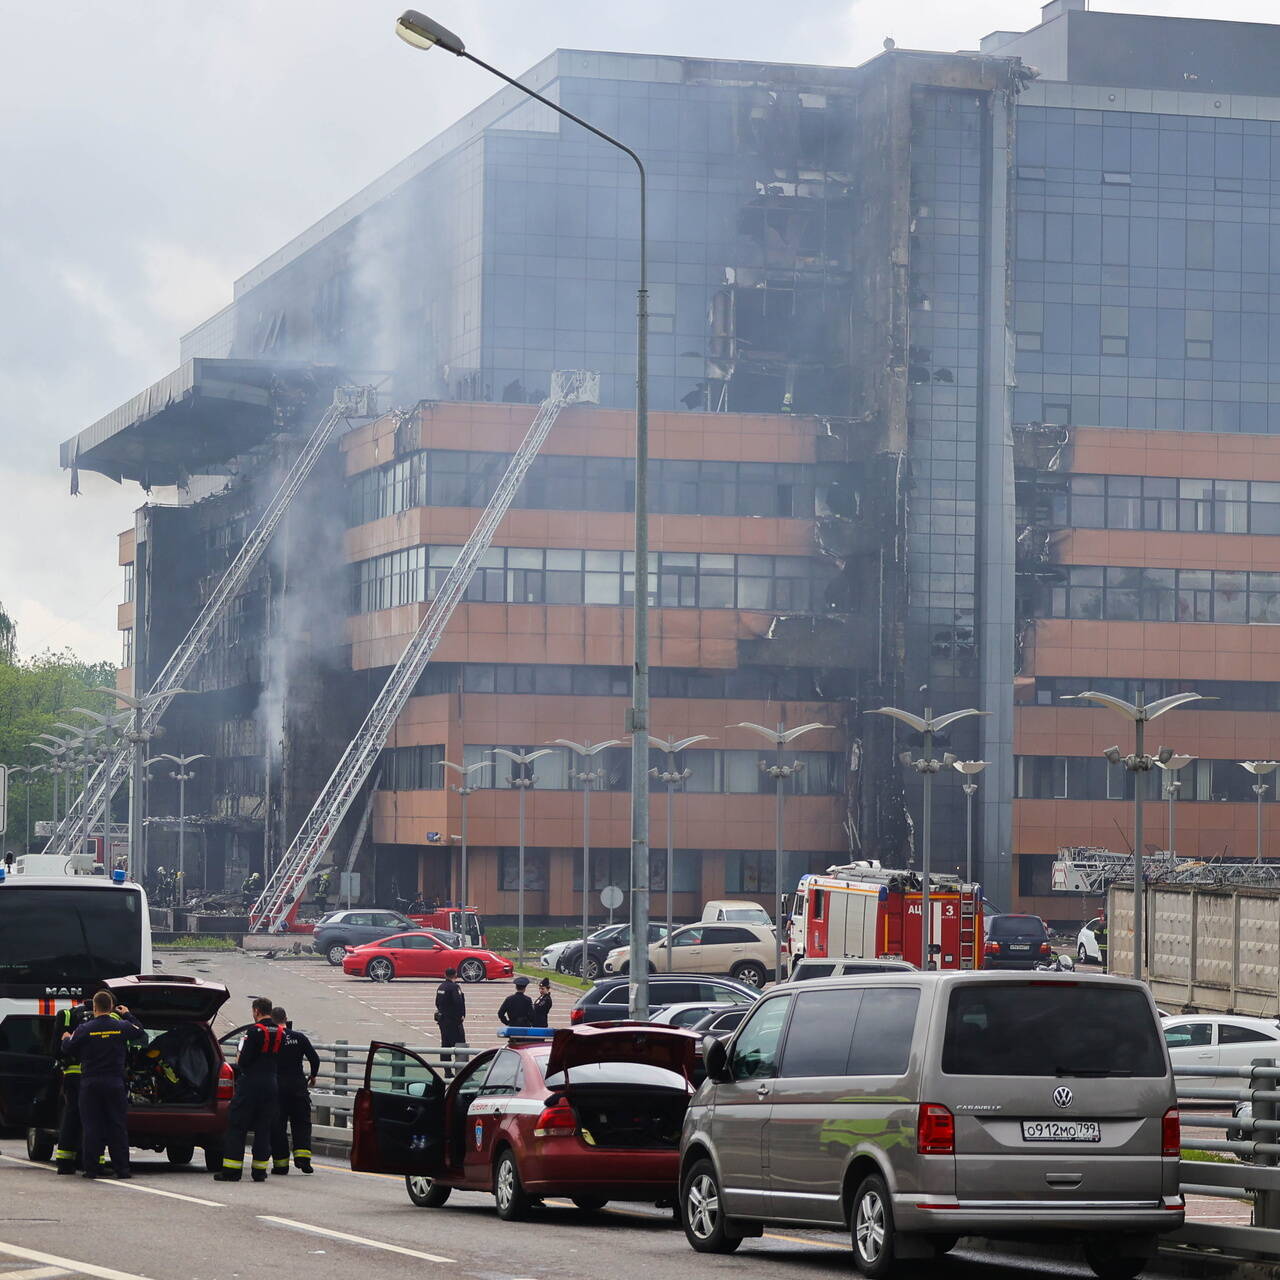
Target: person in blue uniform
x,y
293,1108
254,1103
67,1153
517,1009
101,1046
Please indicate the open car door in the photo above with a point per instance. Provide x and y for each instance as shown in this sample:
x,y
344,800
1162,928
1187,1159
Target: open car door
x,y
398,1121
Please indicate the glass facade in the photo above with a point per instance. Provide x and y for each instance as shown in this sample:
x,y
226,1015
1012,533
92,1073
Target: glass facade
x,y
1165,595
1164,504
1093,778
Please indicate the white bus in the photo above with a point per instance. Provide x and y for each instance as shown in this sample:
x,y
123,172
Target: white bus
x,y
60,936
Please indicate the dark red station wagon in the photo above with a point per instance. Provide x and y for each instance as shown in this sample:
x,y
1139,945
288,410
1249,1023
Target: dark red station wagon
x,y
594,1115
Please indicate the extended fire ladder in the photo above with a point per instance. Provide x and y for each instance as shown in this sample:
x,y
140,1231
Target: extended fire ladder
x,y
1094,870
348,402
279,900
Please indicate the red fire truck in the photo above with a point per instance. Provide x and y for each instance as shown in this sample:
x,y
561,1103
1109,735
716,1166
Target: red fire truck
x,y
456,919
864,910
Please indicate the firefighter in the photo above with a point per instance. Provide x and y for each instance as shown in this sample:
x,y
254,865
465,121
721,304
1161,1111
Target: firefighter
x,y
254,1104
517,1009
293,1114
322,893
250,890
67,1153
100,1044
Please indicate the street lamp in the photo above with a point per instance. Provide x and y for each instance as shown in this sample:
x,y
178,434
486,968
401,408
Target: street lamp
x,y
1139,763
182,774
780,773
926,725
1259,769
586,778
1172,786
421,32
55,766
65,755
522,781
464,789
670,776
27,771
970,769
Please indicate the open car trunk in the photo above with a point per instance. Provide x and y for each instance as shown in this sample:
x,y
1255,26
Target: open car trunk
x,y
633,1118
178,1067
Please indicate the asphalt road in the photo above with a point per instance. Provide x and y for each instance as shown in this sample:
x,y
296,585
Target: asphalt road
x,y
170,1224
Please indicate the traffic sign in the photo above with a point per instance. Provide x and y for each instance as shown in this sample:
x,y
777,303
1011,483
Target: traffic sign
x,y
611,896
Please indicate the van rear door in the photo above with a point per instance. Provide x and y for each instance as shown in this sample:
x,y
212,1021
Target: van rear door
x,y
1059,1090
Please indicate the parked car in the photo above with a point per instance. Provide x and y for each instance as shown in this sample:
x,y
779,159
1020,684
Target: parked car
x,y
807,968
607,1001
1218,1040
594,1115
688,1013
738,912
598,947
339,930
421,955
551,955
913,1109
1016,942
743,951
722,1021
180,1084
1091,942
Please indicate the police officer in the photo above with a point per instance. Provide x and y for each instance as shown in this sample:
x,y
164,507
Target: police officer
x,y
293,1113
517,1009
101,1044
67,1152
451,1010
542,1005
254,1104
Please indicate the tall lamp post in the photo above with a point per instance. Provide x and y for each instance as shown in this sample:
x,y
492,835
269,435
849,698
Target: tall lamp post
x,y
182,774
464,789
970,769
422,33
926,725
586,778
522,781
1139,763
27,771
1259,769
780,773
54,767
1172,787
670,777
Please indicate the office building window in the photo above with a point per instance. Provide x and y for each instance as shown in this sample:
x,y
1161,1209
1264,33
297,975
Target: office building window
x,y
126,647
128,583
1165,595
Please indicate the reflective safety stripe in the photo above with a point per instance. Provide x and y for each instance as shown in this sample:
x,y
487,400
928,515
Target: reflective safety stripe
x,y
61,1153
228,1163
73,1070
281,1164
299,1151
261,1164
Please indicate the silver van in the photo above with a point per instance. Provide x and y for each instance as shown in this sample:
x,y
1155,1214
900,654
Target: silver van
x,y
916,1108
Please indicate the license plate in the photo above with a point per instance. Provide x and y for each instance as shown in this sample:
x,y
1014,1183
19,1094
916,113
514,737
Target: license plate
x,y
1061,1131
1019,946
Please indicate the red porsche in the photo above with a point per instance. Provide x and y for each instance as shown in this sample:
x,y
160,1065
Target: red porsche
x,y
422,955
594,1115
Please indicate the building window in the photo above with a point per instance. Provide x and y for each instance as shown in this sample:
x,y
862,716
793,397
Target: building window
x,y
126,647
412,769
535,869
1120,594
752,871
128,584
1094,778
1166,504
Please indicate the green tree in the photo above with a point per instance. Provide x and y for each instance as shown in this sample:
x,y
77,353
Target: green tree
x,y
34,695
8,638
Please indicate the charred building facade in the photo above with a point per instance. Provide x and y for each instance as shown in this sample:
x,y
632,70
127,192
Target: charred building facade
x,y
869,285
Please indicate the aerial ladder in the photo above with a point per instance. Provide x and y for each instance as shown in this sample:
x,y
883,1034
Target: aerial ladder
x,y
278,903
348,402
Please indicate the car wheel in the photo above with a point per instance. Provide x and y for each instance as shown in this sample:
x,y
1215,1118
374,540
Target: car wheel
x,y
471,970
381,969
589,1204
513,1201
180,1153
593,969
702,1212
426,1193
1107,1264
213,1159
872,1218
752,972
336,954
1081,953
39,1145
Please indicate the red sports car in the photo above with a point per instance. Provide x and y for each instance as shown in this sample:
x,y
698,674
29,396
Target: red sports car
x,y
594,1115
422,955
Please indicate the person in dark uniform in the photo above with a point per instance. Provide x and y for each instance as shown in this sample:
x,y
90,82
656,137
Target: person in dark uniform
x,y
517,1009
250,890
542,1005
66,1154
293,1113
451,1011
322,893
254,1104
101,1044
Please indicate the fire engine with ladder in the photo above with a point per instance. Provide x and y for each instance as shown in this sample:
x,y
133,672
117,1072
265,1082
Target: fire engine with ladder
x,y
864,910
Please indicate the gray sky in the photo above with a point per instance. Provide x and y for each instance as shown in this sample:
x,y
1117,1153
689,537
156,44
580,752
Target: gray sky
x,y
157,149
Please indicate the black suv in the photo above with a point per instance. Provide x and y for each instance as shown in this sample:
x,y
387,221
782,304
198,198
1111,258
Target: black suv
x,y
342,929
607,1000
599,945
1016,942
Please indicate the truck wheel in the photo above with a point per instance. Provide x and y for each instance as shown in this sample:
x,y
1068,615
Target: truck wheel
x,y
180,1153
513,1200
39,1145
426,1193
471,970
752,972
873,1235
702,1211
381,969
336,954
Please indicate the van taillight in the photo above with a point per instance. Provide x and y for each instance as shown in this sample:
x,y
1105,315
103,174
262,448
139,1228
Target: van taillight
x,y
226,1082
556,1121
935,1130
576,1015
1171,1133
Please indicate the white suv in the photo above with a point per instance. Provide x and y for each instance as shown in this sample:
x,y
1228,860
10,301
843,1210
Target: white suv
x,y
743,951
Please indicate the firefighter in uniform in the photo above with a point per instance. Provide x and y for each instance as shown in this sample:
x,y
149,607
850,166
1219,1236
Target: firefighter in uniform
x,y
101,1044
250,890
254,1104
293,1115
67,1153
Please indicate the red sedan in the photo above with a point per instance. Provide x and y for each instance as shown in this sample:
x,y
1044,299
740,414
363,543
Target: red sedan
x,y
422,955
594,1115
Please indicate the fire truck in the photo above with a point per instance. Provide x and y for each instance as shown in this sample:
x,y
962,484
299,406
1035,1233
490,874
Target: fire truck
x,y
455,918
864,910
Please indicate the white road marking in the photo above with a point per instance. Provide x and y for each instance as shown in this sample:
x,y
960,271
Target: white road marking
x,y
156,1191
66,1264
350,1239
34,1273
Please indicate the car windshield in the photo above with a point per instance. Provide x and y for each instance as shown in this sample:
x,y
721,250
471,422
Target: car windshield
x,y
613,1073
1017,927
1050,1029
